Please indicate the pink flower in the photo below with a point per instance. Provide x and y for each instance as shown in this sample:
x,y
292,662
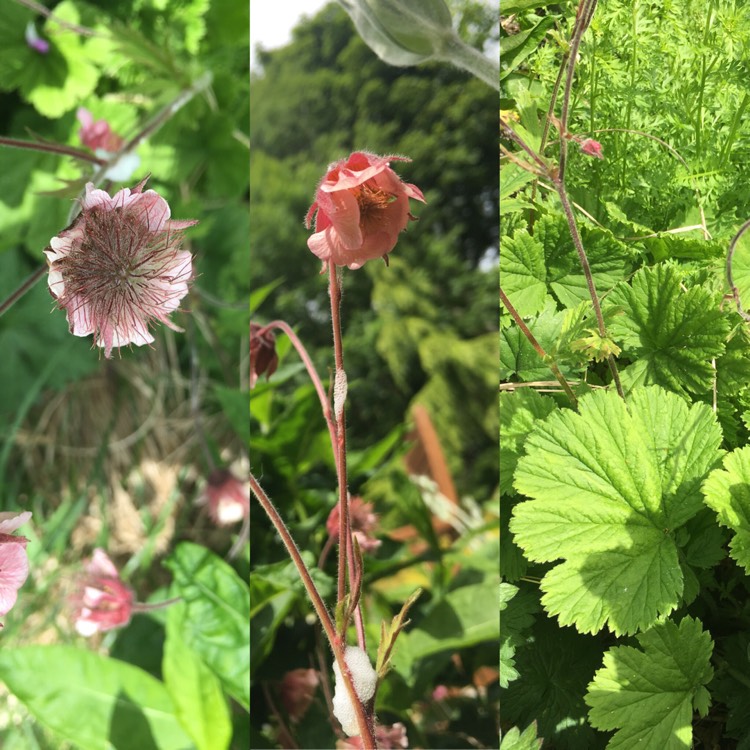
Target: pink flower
x,y
297,691
104,601
592,148
228,498
390,737
363,522
14,564
362,206
118,267
97,135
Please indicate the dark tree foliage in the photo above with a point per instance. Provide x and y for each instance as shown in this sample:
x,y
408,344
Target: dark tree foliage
x,y
316,100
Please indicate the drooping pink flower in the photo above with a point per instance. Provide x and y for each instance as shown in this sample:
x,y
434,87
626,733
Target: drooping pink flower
x,y
103,602
297,691
14,563
592,148
97,135
363,522
388,737
360,208
118,267
228,498
263,357
34,41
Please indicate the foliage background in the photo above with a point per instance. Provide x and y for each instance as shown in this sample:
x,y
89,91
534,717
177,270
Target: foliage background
x,y
662,207
108,452
420,331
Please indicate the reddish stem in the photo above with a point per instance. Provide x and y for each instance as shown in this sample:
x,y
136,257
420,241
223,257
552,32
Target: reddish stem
x,y
337,644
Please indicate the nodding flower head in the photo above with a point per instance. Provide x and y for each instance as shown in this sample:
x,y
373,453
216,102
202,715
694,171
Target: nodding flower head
x,y
103,601
118,268
227,498
360,208
263,357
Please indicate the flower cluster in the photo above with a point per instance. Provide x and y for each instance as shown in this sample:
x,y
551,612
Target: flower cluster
x,y
360,208
118,267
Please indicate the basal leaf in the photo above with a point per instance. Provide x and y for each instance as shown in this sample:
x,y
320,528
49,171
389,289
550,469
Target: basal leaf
x,y
91,700
514,739
519,410
522,273
556,665
610,260
648,694
217,622
516,617
671,334
727,491
195,690
609,486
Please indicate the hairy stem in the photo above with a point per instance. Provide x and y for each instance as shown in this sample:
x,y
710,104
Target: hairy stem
x,y
364,722
538,348
25,287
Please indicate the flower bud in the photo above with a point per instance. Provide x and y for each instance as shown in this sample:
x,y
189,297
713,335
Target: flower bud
x,y
401,32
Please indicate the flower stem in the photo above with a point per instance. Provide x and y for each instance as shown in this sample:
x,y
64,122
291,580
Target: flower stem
x,y
337,644
538,348
325,404
464,56
52,148
346,552
25,287
150,606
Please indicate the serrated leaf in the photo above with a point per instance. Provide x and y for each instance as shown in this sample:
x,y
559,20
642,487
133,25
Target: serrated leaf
x,y
609,260
516,617
556,665
523,274
519,410
609,487
514,739
217,623
649,694
671,334
91,700
195,690
727,491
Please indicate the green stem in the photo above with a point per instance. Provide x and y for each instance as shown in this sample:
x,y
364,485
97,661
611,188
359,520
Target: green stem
x,y
462,55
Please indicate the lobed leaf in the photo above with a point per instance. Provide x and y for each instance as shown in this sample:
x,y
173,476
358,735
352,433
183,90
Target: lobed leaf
x,y
672,335
649,694
609,487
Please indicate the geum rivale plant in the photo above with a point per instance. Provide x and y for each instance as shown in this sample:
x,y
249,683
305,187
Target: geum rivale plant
x,y
360,208
625,492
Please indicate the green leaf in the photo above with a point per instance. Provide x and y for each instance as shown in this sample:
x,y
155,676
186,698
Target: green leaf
x,y
609,487
217,621
514,739
519,411
556,665
671,334
459,620
727,491
609,259
649,694
91,700
195,690
515,49
522,273
516,616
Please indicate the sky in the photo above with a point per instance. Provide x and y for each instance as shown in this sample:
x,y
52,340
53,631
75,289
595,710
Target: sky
x,y
272,21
